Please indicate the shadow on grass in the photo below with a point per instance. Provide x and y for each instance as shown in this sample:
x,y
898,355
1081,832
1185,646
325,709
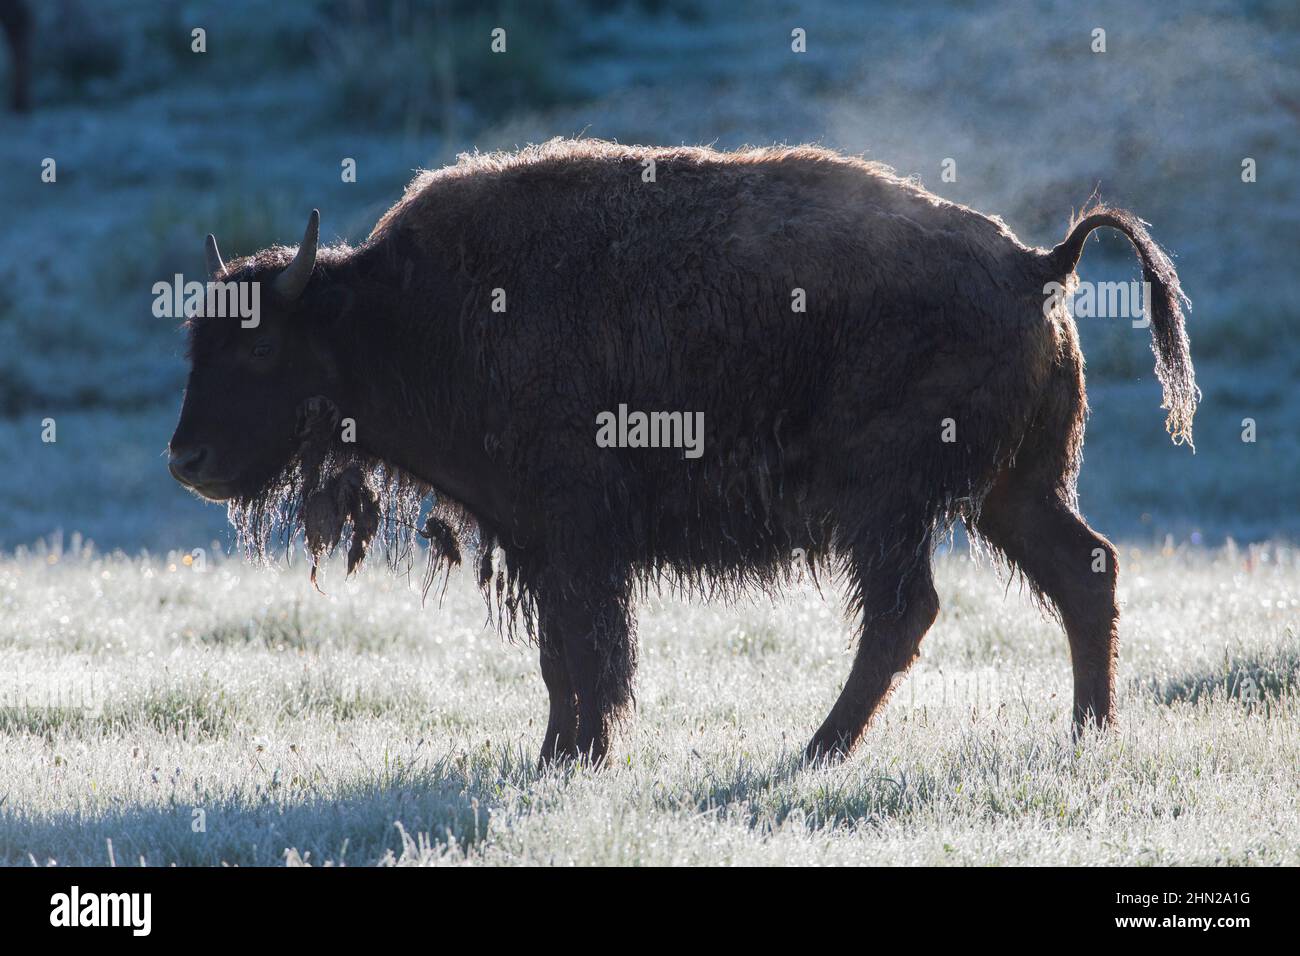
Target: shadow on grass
x,y
865,793
449,799
1257,678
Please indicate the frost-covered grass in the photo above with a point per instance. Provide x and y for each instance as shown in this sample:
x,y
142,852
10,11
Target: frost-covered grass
x,y
309,728
359,728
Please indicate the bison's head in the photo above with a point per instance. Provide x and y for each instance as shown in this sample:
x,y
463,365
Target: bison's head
x,y
239,425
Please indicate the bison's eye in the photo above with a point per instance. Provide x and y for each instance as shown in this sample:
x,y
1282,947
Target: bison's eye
x,y
262,348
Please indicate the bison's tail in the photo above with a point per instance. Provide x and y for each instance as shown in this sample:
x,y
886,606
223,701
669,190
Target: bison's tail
x,y
1165,309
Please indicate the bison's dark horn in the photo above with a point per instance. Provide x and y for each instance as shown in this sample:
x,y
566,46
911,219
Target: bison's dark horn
x,y
215,265
290,283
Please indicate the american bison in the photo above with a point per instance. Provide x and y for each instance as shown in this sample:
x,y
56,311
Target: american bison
x,y
872,364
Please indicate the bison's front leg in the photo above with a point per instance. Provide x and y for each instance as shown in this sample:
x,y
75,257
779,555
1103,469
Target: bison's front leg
x,y
587,622
561,740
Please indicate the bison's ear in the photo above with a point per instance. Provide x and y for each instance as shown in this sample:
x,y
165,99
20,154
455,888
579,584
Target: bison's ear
x,y
290,283
215,266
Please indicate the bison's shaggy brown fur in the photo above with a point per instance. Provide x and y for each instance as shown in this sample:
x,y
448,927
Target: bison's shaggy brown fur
x,y
824,429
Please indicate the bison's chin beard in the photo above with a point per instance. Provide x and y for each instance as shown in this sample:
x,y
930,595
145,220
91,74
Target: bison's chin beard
x,y
337,497
330,493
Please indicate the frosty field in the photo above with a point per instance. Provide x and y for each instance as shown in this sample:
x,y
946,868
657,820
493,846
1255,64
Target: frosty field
x,y
233,715
153,711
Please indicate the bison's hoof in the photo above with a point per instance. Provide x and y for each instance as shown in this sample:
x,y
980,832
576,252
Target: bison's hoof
x,y
826,750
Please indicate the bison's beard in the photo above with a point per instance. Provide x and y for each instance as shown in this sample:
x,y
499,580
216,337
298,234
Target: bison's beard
x,y
330,493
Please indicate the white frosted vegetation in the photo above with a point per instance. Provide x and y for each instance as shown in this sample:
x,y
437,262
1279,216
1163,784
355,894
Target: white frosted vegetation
x,y
358,728
309,728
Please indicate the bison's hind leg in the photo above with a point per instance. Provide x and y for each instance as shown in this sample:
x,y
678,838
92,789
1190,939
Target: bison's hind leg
x,y
1029,515
898,605
1033,522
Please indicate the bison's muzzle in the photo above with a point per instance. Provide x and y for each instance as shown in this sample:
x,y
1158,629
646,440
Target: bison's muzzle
x,y
192,467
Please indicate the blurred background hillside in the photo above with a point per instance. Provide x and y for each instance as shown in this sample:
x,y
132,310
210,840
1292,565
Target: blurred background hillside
x,y
157,145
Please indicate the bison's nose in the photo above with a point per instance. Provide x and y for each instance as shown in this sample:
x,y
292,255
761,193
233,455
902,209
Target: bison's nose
x,y
186,464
